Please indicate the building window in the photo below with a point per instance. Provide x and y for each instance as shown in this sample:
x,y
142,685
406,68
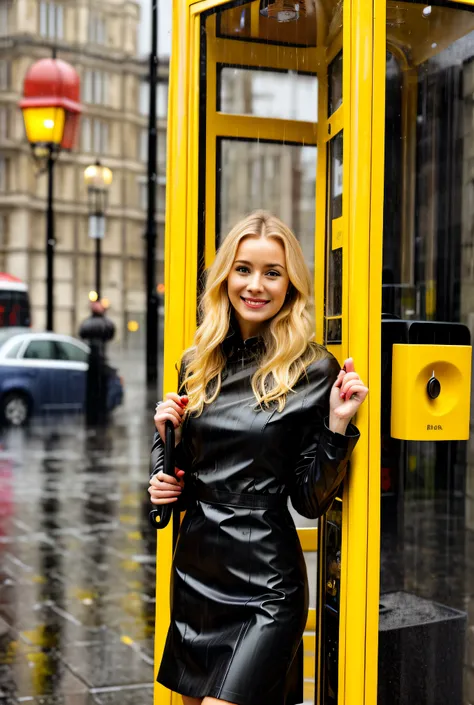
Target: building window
x,y
161,99
3,174
51,19
4,73
95,136
101,137
4,115
3,230
97,28
142,186
86,134
95,87
143,145
4,17
142,193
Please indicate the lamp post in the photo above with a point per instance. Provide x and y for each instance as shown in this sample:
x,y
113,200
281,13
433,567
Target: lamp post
x,y
151,229
98,180
51,110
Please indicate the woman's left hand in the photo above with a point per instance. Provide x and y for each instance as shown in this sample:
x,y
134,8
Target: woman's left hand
x,y
347,394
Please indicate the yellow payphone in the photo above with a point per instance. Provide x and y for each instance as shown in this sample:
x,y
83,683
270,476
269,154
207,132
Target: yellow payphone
x,y
431,380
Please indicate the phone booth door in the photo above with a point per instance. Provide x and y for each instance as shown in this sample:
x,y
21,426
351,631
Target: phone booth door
x,y
260,117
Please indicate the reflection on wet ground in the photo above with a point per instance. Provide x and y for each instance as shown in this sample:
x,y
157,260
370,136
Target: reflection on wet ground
x,y
77,562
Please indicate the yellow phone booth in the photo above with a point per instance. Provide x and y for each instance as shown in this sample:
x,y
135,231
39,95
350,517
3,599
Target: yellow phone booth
x,y
351,120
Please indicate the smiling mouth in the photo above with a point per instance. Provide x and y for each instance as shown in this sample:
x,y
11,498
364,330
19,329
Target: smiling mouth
x,y
254,303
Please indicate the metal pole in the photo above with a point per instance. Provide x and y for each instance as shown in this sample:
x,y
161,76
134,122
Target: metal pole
x,y
50,246
98,265
151,229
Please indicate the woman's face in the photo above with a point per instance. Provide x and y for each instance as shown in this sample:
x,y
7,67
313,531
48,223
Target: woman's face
x,y
257,282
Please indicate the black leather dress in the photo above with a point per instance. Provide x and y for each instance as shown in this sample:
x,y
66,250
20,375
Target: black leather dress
x,y
240,594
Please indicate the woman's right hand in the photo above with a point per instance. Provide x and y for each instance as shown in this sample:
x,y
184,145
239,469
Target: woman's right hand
x,y
165,489
171,409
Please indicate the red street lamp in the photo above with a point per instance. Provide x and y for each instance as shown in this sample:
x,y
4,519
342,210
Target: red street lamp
x,y
51,108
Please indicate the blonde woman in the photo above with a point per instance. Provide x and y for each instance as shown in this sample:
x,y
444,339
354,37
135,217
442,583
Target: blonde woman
x,y
264,415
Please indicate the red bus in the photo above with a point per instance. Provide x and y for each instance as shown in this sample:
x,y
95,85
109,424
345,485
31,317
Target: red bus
x,y
14,302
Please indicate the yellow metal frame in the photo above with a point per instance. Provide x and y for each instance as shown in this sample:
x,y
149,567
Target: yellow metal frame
x,y
364,42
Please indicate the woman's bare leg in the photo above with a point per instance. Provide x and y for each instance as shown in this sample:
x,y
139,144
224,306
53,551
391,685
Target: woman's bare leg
x,y
191,701
215,701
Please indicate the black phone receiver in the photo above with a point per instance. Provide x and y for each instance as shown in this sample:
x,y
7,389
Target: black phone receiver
x,y
160,517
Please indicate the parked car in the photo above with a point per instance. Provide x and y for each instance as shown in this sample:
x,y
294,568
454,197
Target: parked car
x,y
45,373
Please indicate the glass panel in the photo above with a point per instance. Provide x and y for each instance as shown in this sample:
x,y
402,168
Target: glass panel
x,y
333,303
247,22
68,351
40,350
270,94
331,540
279,178
427,509
335,84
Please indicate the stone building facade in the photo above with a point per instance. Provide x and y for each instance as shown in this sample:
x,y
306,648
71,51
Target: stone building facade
x,y
100,40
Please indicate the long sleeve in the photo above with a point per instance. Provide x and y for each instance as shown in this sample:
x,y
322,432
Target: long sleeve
x,y
323,455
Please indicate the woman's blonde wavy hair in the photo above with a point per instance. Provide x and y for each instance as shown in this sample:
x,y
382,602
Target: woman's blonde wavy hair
x,y
287,347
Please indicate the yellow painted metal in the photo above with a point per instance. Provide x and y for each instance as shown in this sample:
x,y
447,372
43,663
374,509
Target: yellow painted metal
x,y
191,254
248,126
241,53
334,124
308,539
211,138
358,80
311,621
175,283
416,417
375,246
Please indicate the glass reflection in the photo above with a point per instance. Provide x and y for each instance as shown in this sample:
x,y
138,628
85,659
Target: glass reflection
x,y
280,178
270,94
427,550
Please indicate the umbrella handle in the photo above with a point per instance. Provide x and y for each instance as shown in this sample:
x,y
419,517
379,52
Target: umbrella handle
x,y
161,516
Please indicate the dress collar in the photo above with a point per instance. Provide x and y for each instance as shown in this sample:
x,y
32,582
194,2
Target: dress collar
x,y
234,345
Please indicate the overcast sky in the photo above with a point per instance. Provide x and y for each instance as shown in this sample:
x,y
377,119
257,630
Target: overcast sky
x,y
164,27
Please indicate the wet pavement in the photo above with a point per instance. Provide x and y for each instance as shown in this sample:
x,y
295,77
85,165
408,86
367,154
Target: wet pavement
x,y
77,560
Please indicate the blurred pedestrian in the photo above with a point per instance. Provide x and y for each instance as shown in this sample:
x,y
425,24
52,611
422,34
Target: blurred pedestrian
x,y
97,330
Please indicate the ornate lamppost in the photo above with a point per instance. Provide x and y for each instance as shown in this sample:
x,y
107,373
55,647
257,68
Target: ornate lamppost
x,y
51,108
98,180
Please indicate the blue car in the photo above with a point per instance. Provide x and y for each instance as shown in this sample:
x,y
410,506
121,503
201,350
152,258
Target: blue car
x,y
45,373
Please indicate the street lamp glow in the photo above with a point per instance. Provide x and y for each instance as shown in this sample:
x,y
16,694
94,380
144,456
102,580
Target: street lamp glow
x,y
44,126
98,177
